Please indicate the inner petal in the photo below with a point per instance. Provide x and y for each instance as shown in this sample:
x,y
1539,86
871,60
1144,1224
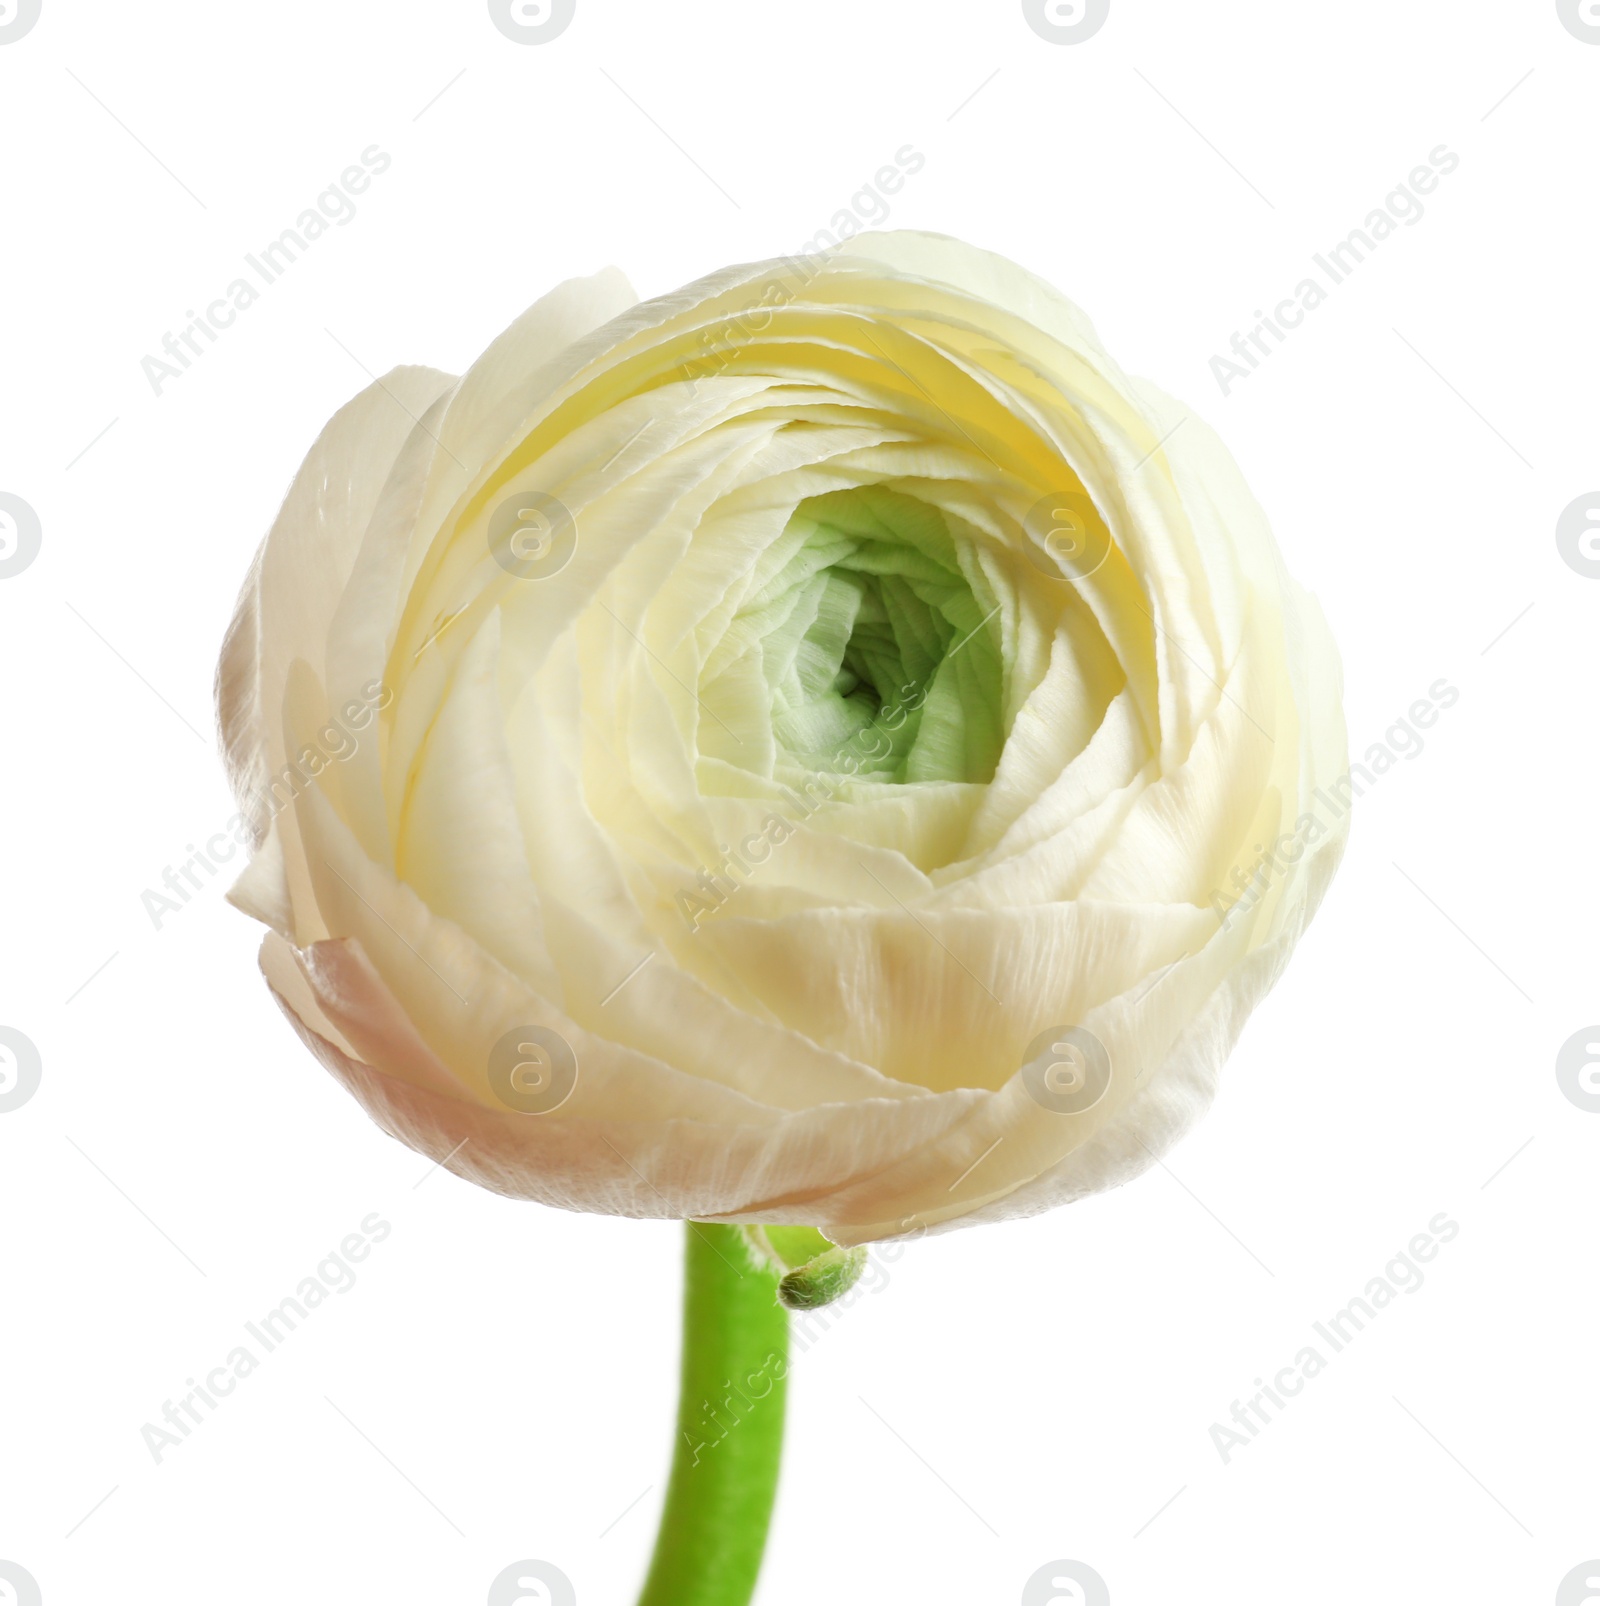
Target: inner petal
x,y
874,645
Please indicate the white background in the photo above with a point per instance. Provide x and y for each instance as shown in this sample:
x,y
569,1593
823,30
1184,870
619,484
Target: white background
x,y
499,1383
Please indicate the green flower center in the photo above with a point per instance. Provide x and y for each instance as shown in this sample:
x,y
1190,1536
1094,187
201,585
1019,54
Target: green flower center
x,y
879,643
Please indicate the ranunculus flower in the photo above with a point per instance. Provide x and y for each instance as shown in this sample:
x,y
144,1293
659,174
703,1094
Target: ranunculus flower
x,y
821,747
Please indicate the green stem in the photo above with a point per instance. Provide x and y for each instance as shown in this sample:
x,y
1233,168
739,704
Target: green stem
x,y
730,1427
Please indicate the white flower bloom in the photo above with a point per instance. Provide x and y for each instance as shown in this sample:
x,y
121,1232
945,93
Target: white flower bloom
x,y
787,751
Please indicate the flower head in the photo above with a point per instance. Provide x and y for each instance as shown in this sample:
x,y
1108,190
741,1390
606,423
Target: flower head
x,y
822,746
